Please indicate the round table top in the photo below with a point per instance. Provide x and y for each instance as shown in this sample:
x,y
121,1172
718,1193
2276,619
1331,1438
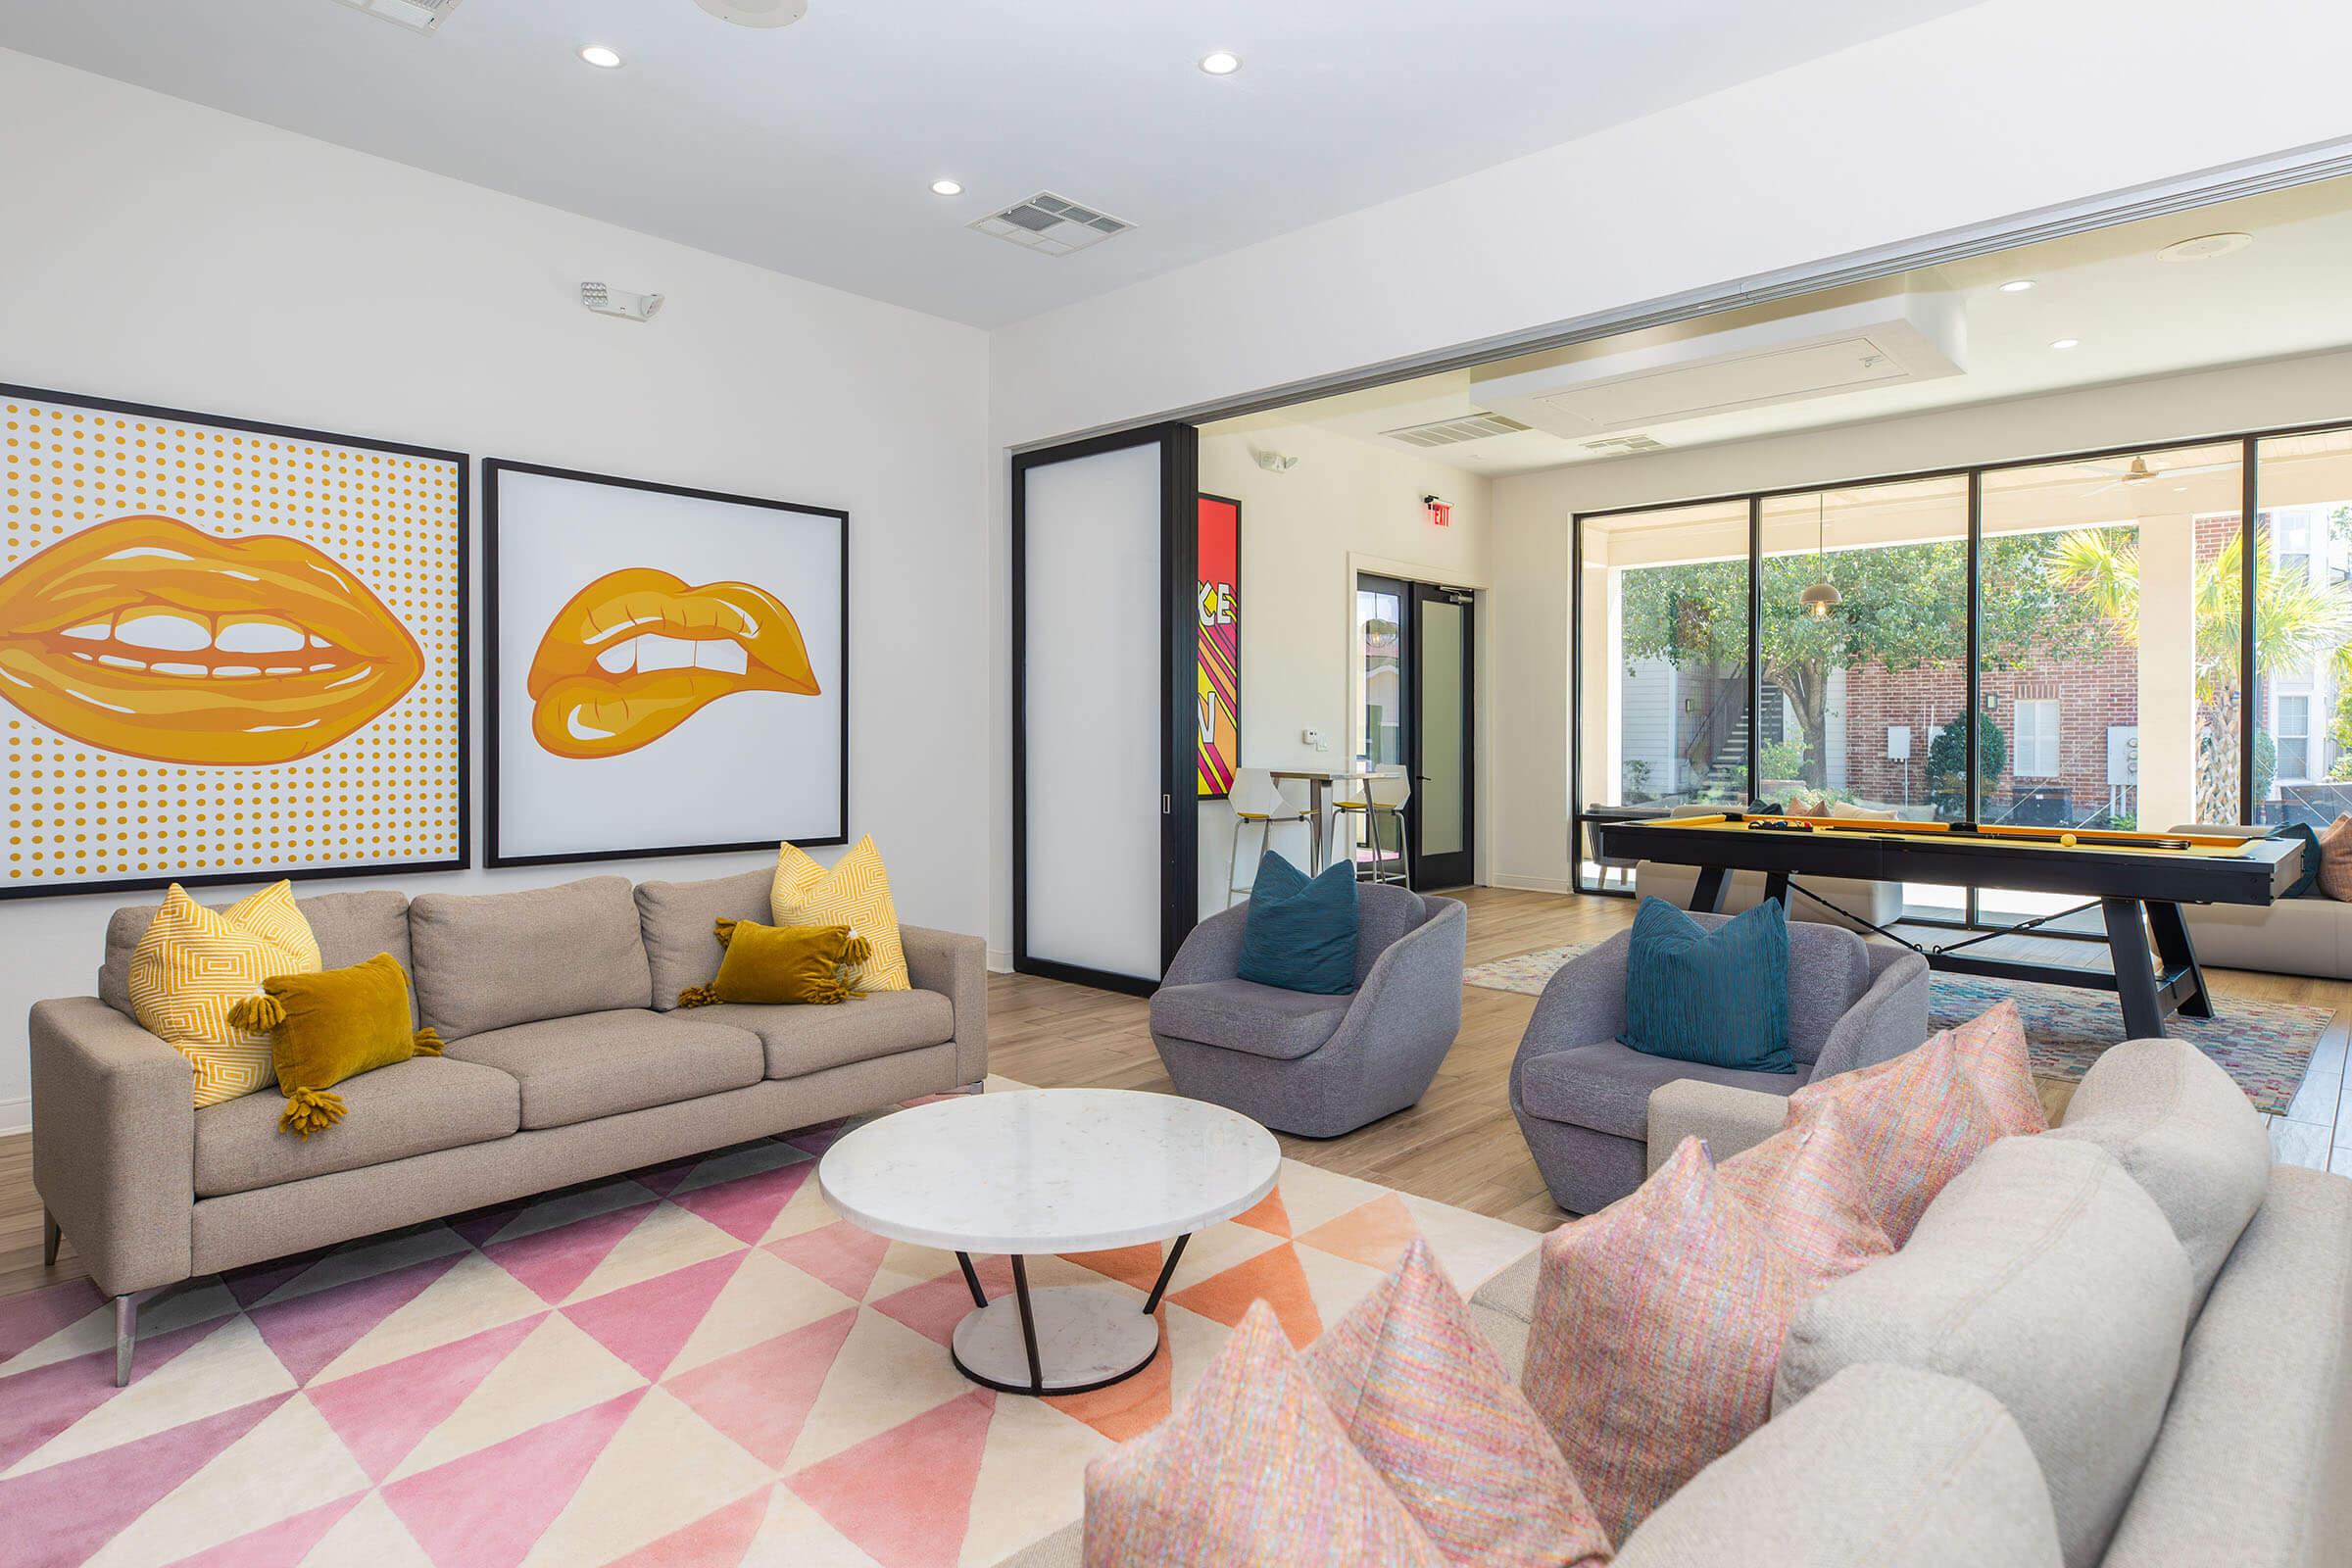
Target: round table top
x,y
1049,1170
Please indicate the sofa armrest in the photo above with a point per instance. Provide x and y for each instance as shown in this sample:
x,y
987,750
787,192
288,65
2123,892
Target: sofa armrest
x,y
1413,991
113,1142
1890,1018
1729,1119
957,967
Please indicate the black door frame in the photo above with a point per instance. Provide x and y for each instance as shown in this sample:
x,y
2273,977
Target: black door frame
x,y
1464,859
1180,817
1410,591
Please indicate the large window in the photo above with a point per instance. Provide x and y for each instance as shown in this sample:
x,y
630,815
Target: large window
x,y
2303,627
2112,660
1665,692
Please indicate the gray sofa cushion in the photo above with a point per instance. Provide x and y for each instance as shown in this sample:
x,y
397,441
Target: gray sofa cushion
x,y
2251,1465
677,917
2186,1133
602,1063
1244,1015
485,961
806,1039
1885,1467
1607,1086
351,928
411,1108
2046,1276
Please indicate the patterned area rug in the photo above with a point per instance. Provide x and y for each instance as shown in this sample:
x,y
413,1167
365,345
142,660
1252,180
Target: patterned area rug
x,y
693,1364
2266,1045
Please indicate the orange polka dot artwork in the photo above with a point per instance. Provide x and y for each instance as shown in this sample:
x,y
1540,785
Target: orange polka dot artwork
x,y
227,652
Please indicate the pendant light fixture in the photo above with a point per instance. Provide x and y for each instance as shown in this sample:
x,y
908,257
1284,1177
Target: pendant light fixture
x,y
1823,597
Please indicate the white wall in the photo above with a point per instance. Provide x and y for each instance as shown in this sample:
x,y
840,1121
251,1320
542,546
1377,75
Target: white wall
x,y
162,253
1347,506
2007,108
1532,513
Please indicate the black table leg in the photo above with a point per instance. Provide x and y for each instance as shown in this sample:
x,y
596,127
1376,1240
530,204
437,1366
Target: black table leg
x,y
2179,955
971,1278
1706,892
1775,888
1166,1271
2134,968
1020,1291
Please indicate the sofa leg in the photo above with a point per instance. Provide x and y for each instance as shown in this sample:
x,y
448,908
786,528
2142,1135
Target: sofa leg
x,y
126,1334
50,1236
970,1088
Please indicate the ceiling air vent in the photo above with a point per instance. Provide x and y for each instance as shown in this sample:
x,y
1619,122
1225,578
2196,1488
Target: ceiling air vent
x,y
1052,224
1618,445
1452,432
417,16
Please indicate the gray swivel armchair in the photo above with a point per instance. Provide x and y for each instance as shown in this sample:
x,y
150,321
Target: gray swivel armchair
x,y
1583,1099
1310,1064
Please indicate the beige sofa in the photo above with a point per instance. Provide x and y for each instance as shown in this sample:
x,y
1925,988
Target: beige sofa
x,y
2122,1343
567,1061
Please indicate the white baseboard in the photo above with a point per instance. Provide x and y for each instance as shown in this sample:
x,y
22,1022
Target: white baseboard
x,y
999,962
1531,884
16,1116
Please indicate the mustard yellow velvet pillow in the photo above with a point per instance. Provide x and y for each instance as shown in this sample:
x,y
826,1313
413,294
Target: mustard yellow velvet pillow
x,y
329,1026
781,963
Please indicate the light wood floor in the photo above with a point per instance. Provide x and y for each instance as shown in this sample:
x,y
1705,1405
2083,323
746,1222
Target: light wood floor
x,y
1459,1144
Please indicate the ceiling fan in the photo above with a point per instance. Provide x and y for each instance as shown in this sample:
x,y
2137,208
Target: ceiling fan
x,y
2139,470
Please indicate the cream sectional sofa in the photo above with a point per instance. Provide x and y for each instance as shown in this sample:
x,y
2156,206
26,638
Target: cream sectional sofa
x,y
567,1061
2122,1343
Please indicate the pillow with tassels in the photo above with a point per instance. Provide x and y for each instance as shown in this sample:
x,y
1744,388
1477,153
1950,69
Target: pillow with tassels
x,y
329,1026
794,963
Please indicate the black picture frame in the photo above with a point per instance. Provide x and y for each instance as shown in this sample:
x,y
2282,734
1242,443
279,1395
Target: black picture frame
x,y
492,469
462,463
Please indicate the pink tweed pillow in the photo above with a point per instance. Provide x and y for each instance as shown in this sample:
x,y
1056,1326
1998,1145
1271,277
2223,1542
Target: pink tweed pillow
x,y
1915,1121
1427,1403
1805,1184
1252,1469
1657,1327
1992,1051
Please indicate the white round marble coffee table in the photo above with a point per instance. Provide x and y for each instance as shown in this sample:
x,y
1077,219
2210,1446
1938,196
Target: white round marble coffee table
x,y
1051,1170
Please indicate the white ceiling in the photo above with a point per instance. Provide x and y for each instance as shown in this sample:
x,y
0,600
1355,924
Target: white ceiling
x,y
2133,312
810,149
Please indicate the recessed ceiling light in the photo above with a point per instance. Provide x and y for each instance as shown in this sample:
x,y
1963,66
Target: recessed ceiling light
x,y
2017,285
2067,343
602,58
946,187
1223,63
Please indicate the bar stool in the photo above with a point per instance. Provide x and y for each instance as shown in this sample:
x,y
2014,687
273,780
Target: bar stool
x,y
1258,800
1384,796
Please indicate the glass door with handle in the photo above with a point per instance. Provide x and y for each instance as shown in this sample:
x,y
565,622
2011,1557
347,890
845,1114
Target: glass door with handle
x,y
1418,717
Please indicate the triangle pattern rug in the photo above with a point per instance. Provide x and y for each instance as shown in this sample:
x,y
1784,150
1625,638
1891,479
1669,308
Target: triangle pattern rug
x,y
2266,1046
698,1363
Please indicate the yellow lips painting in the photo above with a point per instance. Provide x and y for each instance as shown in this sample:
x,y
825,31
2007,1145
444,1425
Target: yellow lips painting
x,y
153,639
638,651
668,668
229,652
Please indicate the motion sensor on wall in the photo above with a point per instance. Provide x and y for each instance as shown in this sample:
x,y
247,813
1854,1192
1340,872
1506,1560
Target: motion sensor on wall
x,y
628,307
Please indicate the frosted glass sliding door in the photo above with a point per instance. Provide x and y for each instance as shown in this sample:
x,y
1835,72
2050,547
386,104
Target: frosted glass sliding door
x,y
1103,747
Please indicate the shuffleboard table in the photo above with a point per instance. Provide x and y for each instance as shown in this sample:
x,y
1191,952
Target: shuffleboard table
x,y
2137,880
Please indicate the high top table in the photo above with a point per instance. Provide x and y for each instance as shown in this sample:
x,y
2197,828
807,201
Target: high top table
x,y
1322,783
1051,1170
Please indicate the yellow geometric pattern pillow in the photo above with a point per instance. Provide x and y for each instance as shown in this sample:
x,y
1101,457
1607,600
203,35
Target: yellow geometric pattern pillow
x,y
854,891
195,964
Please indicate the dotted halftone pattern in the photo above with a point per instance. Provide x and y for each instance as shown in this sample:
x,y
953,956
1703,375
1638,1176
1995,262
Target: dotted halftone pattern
x,y
387,794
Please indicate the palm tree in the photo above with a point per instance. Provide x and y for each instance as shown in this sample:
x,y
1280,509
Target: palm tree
x,y
2298,626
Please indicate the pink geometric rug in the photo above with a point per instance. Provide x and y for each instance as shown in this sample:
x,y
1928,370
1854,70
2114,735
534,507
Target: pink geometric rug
x,y
693,1364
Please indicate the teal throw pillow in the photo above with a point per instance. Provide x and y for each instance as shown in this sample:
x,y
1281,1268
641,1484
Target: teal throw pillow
x,y
1299,934
2306,884
1717,997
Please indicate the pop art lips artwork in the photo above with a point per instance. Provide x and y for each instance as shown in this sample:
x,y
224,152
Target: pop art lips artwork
x,y
155,639
637,652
